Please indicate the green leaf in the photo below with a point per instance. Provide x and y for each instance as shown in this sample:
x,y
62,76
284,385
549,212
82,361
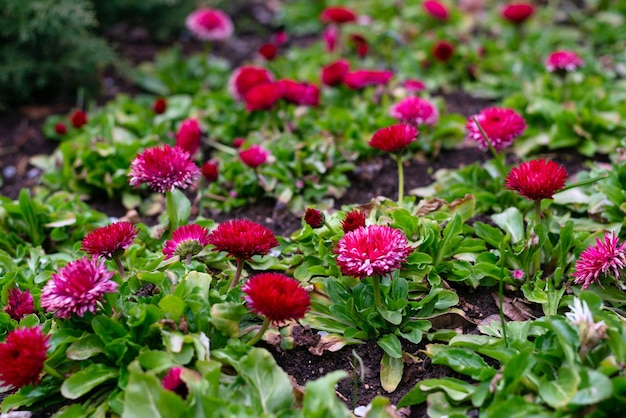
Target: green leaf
x,y
456,389
558,393
395,317
226,317
145,397
182,205
391,370
172,306
391,345
320,400
85,347
413,397
462,360
512,222
83,381
596,388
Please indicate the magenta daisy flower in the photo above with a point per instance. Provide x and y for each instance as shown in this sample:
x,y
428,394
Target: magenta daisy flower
x,y
209,24
333,74
537,179
607,257
563,61
189,136
354,219
20,303
23,354
394,138
374,249
174,383
242,238
163,169
187,241
359,79
254,156
517,13
77,288
314,218
245,78
415,111
337,15
263,96
436,9
276,297
501,125
110,241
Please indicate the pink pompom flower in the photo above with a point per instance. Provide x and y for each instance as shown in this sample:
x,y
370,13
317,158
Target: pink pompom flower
x,y
78,119
337,15
359,79
436,9
189,136
517,13
443,51
537,179
209,24
245,78
109,241
242,238
23,355
415,111
159,106
187,241
333,74
305,94
563,61
19,304
607,257
354,219
394,138
163,169
501,125
254,156
263,96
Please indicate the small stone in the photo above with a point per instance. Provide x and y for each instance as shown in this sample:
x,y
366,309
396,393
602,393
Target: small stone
x,y
9,171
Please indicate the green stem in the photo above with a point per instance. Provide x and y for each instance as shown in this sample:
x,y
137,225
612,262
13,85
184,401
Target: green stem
x,y
171,210
537,259
584,182
49,370
120,267
376,285
400,179
497,157
330,228
501,297
237,275
259,335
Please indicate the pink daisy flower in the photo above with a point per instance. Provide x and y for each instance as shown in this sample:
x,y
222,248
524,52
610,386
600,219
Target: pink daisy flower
x,y
209,24
415,111
276,297
537,179
254,156
242,239
330,37
263,96
174,383
501,125
78,119
305,94
210,171
414,85
443,51
109,241
517,13
394,138
189,136
374,249
436,9
314,218
23,354
77,288
360,79
187,241
333,74
354,219
246,77
60,128
606,257
19,304
337,15
563,61
268,51
163,169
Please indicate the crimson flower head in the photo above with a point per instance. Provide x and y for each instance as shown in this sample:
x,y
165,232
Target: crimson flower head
x,y
174,383
77,288
369,250
23,354
563,61
314,218
163,169
60,128
360,79
414,85
187,241
159,106
20,303
501,125
443,51
242,238
78,118
606,257
333,74
415,111
246,77
263,96
330,36
537,179
238,142
354,219
517,13
281,38
210,171
276,297
436,9
394,138
209,24
268,51
299,93
360,44
337,15
189,136
254,156
109,241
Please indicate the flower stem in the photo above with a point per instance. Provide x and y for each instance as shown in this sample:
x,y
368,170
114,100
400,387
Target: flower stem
x,y
400,179
120,267
537,259
237,275
49,370
584,182
501,299
259,335
497,157
376,285
330,228
171,211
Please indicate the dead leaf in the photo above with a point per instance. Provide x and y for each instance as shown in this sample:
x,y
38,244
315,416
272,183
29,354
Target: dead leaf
x,y
514,309
427,206
451,320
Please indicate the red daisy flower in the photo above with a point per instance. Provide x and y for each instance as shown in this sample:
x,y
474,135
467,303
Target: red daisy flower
x,y
537,179
360,44
174,383
246,77
163,169
603,258
394,138
415,111
60,128
518,13
436,9
354,219
501,125
209,24
189,136
374,249
187,241
159,106
254,156
333,74
443,51
210,171
360,79
268,51
78,118
276,297
110,241
242,239
263,96
20,303
23,354
238,142
563,61
314,218
414,86
77,288
305,94
337,15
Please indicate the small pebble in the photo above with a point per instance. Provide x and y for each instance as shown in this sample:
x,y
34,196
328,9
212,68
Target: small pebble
x,y
32,173
9,171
